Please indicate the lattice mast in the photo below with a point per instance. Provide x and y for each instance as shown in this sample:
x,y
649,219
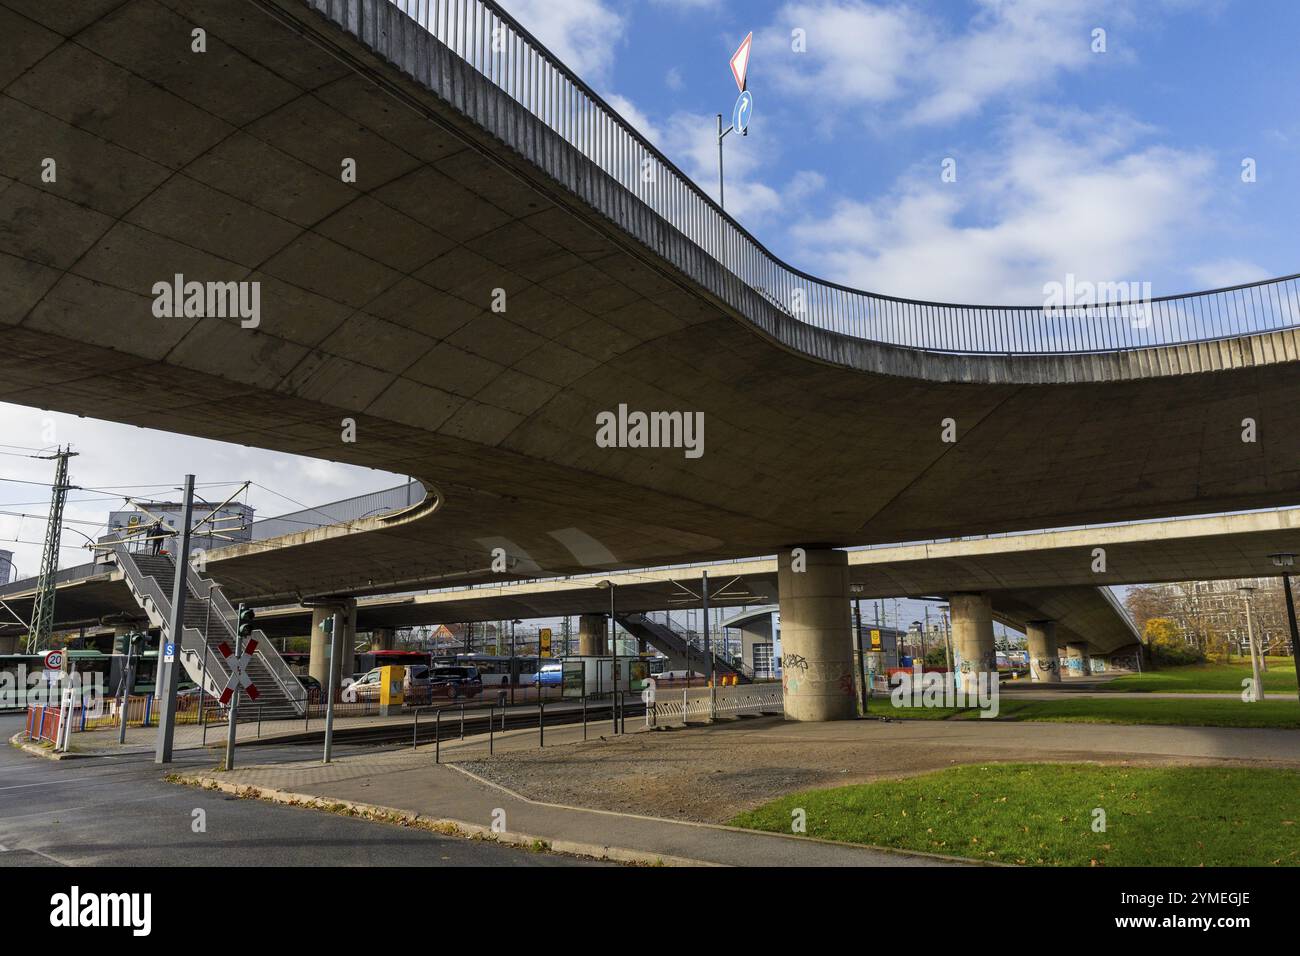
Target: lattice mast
x,y
38,638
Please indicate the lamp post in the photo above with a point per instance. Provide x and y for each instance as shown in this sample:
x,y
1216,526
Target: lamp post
x,y
514,676
1287,560
947,636
862,656
132,639
1257,691
613,652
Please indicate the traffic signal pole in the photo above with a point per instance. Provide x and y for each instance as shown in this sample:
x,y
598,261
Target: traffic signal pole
x,y
169,675
243,629
335,622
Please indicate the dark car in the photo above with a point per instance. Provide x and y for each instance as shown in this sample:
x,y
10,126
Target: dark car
x,y
453,682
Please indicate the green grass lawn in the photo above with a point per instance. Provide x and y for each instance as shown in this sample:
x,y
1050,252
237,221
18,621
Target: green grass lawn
x,y
1209,678
1229,712
1042,814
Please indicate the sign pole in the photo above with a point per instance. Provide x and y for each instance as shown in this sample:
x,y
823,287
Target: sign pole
x,y
130,683
708,645
336,651
722,189
234,705
172,643
65,709
739,115
862,655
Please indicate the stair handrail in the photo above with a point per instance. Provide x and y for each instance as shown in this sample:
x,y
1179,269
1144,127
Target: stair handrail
x,y
146,585
229,617
696,646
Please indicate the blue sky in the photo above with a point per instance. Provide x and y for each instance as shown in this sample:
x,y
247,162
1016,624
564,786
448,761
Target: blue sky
x,y
1123,165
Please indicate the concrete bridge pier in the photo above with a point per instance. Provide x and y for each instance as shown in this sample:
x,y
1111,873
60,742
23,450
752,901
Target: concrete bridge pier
x,y
318,663
1044,655
383,639
972,634
816,635
592,635
1078,657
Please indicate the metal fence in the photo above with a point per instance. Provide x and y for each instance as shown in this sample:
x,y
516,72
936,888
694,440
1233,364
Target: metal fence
x,y
368,505
711,702
491,42
43,723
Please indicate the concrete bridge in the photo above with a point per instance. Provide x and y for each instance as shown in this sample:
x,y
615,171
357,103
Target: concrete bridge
x,y
1042,583
487,177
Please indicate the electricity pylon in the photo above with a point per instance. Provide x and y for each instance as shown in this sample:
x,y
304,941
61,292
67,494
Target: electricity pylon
x,y
38,638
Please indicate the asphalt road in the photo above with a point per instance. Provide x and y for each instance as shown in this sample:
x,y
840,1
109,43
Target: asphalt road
x,y
118,811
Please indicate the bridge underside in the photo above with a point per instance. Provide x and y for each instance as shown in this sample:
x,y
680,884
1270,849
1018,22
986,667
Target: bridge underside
x,y
1083,614
376,306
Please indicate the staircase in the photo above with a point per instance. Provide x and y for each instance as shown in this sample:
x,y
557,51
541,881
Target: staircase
x,y
677,647
209,622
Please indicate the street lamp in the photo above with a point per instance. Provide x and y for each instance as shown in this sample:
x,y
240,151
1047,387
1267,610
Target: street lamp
x,y
132,639
613,651
1257,693
514,674
944,610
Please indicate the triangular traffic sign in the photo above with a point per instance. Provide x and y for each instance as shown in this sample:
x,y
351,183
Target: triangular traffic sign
x,y
740,61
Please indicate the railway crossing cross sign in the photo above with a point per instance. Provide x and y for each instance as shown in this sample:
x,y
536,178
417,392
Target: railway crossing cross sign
x,y
238,664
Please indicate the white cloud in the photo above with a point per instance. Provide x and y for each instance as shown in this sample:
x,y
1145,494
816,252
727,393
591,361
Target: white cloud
x,y
856,51
584,34
1012,44
861,52
690,6
153,464
1083,197
1221,273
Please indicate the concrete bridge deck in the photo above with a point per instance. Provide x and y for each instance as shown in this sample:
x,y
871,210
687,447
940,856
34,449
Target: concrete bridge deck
x,y
1043,575
376,306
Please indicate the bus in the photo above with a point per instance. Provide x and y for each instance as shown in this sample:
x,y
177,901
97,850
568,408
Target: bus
x,y
495,670
91,665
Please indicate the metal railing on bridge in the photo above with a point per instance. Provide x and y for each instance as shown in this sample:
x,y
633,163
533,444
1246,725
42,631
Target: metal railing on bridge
x,y
753,280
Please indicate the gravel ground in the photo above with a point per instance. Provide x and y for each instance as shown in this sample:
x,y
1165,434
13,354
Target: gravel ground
x,y
709,774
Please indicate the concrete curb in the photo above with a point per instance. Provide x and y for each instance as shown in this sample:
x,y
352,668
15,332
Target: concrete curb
x,y
447,827
893,851
37,751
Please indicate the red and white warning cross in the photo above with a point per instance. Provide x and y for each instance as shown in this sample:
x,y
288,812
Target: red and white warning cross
x,y
238,665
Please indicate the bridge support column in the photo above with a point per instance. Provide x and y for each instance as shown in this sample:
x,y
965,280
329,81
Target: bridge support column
x,y
1078,656
1044,656
592,631
816,636
383,639
348,658
972,634
318,666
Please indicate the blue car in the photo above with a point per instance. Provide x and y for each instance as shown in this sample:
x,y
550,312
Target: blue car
x,y
549,674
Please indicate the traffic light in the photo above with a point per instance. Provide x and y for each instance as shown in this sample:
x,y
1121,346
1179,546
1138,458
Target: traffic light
x,y
246,617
